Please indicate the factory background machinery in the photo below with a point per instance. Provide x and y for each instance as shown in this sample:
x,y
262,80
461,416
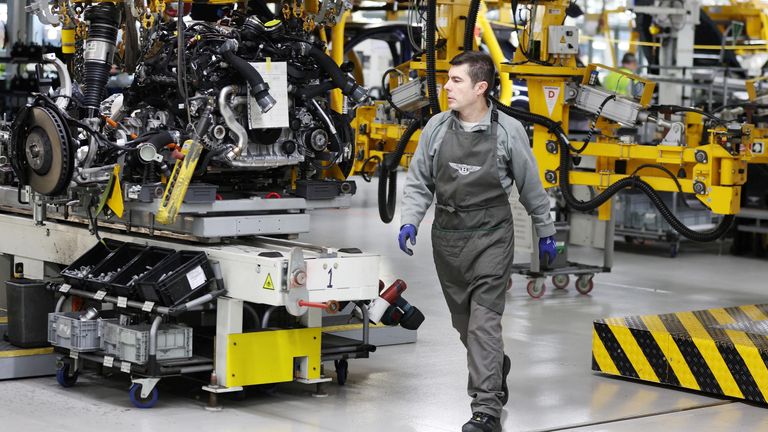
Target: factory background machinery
x,y
241,121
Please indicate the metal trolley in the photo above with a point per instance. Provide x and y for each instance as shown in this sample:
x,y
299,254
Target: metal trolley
x,y
144,377
561,270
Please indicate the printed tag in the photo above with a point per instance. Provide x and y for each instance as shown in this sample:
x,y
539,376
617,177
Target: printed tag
x,y
122,302
100,295
196,277
108,361
148,305
125,367
64,288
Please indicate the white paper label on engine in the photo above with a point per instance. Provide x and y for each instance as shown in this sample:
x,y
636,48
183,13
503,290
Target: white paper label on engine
x,y
276,75
125,367
108,361
196,277
122,302
148,305
100,295
551,93
64,288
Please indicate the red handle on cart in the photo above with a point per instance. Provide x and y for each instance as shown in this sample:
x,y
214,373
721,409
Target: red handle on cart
x,y
331,306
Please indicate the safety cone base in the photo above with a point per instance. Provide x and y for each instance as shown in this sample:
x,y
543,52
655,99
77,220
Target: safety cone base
x,y
721,351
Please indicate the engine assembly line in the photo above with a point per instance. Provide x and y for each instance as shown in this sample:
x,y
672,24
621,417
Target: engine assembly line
x,y
175,178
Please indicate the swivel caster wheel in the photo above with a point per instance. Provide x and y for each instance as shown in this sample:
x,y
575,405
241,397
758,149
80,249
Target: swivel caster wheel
x,y
584,284
139,402
342,371
64,378
536,288
560,281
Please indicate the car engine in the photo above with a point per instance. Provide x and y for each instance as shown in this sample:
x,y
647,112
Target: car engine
x,y
240,104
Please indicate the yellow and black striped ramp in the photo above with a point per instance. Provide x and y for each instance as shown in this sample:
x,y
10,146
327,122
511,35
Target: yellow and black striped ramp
x,y
720,351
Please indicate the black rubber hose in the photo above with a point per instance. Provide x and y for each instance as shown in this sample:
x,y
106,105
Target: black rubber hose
x,y
259,88
434,102
388,176
392,160
347,84
101,41
628,182
469,30
310,92
160,139
387,194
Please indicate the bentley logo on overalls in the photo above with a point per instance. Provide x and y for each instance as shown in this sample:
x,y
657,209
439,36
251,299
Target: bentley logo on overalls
x,y
463,169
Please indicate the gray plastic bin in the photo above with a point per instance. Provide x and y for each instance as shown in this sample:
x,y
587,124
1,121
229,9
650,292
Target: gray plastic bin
x,y
65,330
131,343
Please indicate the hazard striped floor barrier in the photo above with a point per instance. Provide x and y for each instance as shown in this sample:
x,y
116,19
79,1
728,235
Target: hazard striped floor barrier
x,y
720,351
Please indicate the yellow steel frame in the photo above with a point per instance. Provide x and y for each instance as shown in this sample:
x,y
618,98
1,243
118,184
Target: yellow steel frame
x,y
379,139
722,174
648,85
755,85
753,13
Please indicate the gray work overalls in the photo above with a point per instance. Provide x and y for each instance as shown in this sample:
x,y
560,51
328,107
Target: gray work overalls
x,y
473,241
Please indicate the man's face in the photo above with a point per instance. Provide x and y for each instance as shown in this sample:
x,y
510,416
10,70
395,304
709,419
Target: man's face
x,y
631,66
460,90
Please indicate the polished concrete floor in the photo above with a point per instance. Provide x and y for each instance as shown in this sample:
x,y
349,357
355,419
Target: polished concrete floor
x,y
421,387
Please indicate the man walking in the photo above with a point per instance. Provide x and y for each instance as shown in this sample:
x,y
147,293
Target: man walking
x,y
469,158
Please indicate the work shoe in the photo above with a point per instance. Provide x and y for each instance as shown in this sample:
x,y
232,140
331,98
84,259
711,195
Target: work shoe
x,y
482,422
505,368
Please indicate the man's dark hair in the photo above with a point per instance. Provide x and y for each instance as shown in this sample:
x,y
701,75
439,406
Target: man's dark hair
x,y
480,67
628,58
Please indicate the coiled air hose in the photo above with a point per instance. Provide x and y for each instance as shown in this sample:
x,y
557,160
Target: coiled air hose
x,y
628,182
388,175
99,51
469,29
434,101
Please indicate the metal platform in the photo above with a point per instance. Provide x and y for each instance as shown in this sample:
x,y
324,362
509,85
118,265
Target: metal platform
x,y
252,216
18,362
719,351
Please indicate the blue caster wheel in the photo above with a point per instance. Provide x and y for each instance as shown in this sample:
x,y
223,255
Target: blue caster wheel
x,y
138,401
64,378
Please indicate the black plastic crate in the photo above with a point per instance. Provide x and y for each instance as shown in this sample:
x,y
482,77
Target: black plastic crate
x,y
181,277
101,275
76,273
126,282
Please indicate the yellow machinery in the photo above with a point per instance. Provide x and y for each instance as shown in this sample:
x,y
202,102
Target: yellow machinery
x,y
709,163
378,132
752,13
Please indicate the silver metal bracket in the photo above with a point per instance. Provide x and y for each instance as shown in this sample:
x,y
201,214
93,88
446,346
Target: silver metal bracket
x,y
43,12
147,385
675,136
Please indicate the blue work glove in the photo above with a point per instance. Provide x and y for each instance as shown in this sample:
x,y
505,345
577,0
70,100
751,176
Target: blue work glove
x,y
547,247
407,232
